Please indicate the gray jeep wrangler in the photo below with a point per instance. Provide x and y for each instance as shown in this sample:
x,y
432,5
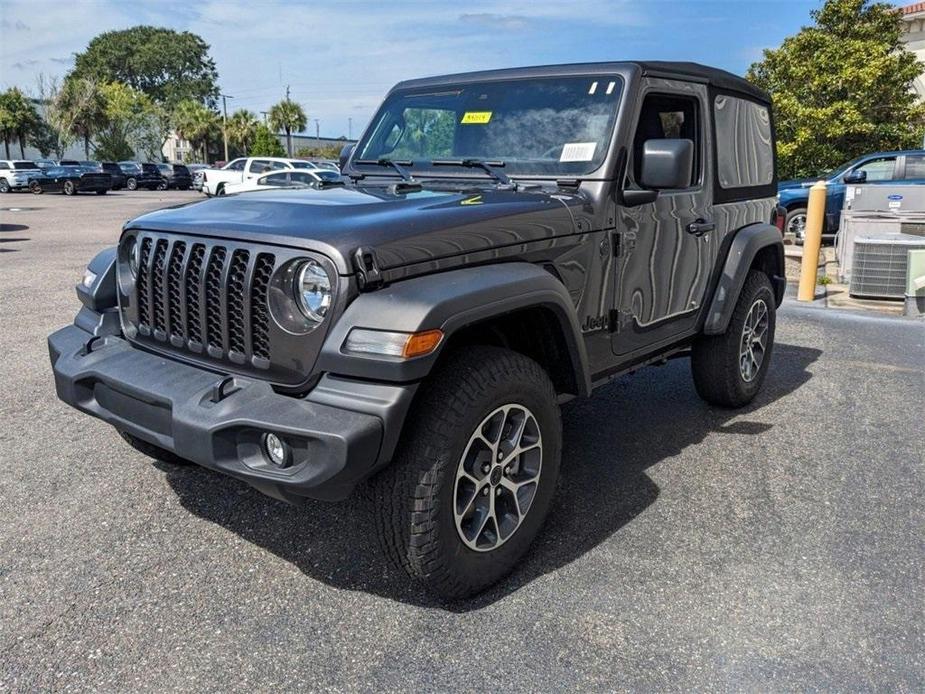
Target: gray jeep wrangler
x,y
506,241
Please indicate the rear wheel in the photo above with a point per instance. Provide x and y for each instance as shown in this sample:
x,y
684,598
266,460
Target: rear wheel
x,y
220,190
69,188
152,451
131,184
729,369
475,474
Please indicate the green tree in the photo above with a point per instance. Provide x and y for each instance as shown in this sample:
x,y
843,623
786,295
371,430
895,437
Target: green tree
x,y
242,127
168,66
81,109
289,117
841,87
133,123
198,124
18,119
266,144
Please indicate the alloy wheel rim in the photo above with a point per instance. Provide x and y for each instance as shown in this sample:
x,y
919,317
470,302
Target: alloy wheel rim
x,y
753,345
497,477
797,225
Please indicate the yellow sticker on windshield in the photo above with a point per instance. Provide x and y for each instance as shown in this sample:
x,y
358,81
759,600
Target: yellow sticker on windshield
x,y
476,117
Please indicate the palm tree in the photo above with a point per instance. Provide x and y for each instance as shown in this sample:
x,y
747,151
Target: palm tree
x,y
196,123
18,119
242,126
80,109
288,116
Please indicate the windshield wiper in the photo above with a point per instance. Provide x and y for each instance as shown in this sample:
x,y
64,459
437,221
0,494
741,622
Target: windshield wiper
x,y
489,167
397,165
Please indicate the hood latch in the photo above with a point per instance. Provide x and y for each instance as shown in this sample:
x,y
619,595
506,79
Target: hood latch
x,y
368,274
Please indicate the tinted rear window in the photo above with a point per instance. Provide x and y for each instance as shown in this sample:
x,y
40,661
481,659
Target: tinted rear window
x,y
180,170
24,165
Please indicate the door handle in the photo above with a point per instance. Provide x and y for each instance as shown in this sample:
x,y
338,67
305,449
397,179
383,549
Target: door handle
x,y
700,227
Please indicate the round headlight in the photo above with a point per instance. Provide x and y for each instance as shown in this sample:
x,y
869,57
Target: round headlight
x,y
132,250
313,291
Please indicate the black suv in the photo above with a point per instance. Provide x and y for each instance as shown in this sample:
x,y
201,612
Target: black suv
x,y
142,176
507,241
178,176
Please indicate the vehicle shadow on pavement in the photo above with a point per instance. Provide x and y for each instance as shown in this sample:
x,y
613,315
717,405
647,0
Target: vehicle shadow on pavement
x,y
609,443
13,227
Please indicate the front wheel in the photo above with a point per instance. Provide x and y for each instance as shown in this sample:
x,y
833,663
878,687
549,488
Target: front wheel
x,y
475,474
729,369
131,184
69,188
4,186
162,185
795,223
35,188
220,190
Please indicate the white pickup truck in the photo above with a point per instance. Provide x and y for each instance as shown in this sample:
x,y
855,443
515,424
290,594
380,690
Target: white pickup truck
x,y
246,168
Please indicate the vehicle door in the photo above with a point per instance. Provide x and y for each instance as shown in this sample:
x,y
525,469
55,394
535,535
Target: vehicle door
x,y
256,168
663,262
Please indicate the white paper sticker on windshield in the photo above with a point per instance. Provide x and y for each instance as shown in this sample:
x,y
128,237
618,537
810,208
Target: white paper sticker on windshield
x,y
578,151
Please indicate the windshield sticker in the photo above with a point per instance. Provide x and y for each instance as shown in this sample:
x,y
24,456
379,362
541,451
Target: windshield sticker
x,y
476,118
578,151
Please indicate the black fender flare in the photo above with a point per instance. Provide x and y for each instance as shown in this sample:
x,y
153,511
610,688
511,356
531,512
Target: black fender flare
x,y
450,301
745,245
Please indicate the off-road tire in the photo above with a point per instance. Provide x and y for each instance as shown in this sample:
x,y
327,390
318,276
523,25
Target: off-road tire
x,y
414,496
152,451
715,359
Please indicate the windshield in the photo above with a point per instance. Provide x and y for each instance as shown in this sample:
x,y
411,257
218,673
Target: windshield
x,y
546,126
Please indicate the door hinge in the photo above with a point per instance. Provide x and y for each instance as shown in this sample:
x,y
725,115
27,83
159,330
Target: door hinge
x,y
368,274
623,243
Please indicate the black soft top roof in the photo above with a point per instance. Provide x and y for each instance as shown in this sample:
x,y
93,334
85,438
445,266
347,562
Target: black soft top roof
x,y
689,72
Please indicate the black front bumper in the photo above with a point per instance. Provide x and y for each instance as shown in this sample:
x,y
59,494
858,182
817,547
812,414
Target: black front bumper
x,y
337,435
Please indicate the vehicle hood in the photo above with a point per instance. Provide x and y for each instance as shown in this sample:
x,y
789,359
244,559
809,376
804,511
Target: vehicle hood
x,y
402,228
796,183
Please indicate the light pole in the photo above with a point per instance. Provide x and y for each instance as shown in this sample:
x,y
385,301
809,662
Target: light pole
x,y
350,128
317,129
225,121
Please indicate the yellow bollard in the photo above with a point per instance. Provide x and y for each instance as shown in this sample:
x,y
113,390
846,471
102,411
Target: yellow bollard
x,y
812,240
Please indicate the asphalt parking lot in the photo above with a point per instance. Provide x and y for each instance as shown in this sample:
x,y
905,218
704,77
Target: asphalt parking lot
x,y
776,548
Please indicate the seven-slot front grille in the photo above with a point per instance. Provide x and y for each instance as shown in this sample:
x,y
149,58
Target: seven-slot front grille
x,y
205,297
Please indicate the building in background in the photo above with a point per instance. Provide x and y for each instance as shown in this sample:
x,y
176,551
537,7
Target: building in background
x,y
913,18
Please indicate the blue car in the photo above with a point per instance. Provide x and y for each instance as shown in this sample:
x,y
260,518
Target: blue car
x,y
907,166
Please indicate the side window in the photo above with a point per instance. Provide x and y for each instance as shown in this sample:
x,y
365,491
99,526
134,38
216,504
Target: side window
x,y
278,165
301,177
744,149
915,166
879,169
667,116
279,179
237,165
259,166
4,165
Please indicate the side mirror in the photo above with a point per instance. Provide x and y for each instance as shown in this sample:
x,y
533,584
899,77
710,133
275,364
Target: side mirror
x,y
345,153
667,164
856,176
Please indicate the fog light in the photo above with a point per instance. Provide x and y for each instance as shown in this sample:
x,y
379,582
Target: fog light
x,y
276,449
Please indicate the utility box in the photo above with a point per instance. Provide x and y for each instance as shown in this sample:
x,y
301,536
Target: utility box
x,y
915,283
877,210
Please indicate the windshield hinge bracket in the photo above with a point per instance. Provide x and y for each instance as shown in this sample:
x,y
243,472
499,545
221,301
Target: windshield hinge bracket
x,y
368,274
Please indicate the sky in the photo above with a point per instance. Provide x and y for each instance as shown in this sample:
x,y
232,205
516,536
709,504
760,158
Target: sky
x,y
340,58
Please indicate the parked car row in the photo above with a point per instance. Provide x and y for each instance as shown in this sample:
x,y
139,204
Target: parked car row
x,y
71,176
241,174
